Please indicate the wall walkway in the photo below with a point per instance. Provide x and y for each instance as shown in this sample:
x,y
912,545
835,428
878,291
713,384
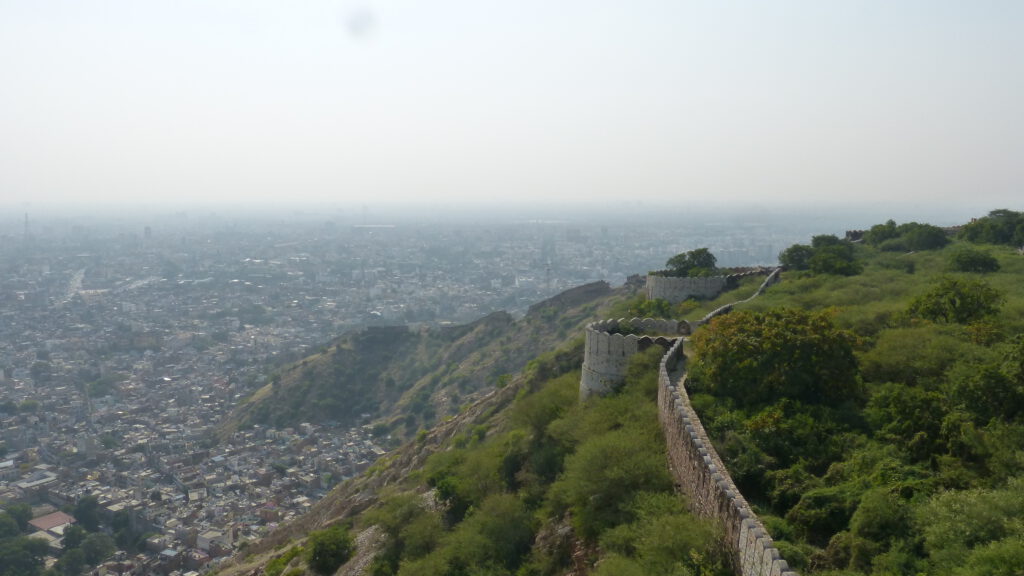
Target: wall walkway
x,y
696,466
700,473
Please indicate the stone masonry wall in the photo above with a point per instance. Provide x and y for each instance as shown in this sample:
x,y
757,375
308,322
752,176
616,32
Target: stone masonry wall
x,y
607,352
695,464
772,278
677,289
700,473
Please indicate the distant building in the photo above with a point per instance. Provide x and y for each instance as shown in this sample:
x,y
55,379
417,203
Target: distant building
x,y
53,523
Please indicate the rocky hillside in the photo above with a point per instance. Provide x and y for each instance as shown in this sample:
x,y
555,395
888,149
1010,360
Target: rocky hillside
x,y
870,407
407,380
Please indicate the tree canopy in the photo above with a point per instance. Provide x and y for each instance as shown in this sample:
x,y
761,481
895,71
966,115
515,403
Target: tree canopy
x,y
999,227
968,259
957,301
911,236
759,357
699,262
328,549
827,254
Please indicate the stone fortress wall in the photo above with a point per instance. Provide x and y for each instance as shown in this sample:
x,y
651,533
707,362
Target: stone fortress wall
x,y
677,289
695,464
699,470
608,349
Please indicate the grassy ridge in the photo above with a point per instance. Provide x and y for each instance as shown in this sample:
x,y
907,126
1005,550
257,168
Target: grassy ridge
x,y
550,484
904,476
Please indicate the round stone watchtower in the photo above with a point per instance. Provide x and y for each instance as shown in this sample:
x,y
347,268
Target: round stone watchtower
x,y
611,343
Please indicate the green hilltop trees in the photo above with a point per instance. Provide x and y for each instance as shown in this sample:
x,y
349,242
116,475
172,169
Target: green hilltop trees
x,y
326,550
827,254
699,262
911,236
908,457
755,357
967,259
957,300
999,227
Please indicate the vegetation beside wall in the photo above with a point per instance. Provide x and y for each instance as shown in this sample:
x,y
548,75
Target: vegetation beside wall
x,y
875,420
556,482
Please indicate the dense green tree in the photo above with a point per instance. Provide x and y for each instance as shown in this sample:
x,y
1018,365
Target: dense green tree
x,y
999,227
87,512
22,556
910,236
827,254
699,262
328,549
74,536
923,236
663,539
835,259
880,233
72,562
957,300
968,259
21,512
823,240
956,523
797,257
601,477
915,355
910,416
757,358
97,547
8,526
499,533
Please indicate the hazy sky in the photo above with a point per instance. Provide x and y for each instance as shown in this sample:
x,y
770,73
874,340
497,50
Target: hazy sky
x,y
343,102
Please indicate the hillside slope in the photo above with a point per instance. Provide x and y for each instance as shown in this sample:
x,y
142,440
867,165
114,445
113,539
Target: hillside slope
x,y
408,380
917,468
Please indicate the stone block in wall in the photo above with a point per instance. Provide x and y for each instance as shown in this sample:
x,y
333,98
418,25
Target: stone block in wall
x,y
769,557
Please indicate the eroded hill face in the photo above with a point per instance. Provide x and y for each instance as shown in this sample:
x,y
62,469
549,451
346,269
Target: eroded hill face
x,y
405,380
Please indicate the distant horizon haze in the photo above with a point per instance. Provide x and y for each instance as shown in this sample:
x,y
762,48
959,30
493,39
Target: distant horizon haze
x,y
595,104
818,217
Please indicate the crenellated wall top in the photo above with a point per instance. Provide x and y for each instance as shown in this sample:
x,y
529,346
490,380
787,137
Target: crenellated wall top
x,y
639,327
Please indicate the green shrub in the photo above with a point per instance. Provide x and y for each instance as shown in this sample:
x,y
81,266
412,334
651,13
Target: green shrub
x,y
277,565
957,300
326,550
968,259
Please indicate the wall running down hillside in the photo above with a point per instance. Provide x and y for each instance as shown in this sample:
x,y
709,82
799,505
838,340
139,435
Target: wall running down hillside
x,y
700,473
695,464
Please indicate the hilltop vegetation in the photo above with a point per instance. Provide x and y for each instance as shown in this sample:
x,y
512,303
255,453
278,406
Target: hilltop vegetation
x,y
543,486
870,407
875,419
407,380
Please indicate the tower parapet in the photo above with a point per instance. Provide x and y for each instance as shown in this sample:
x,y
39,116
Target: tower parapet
x,y
611,343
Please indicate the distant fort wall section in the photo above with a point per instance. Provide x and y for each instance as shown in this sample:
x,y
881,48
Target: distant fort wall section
x,y
772,278
675,289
